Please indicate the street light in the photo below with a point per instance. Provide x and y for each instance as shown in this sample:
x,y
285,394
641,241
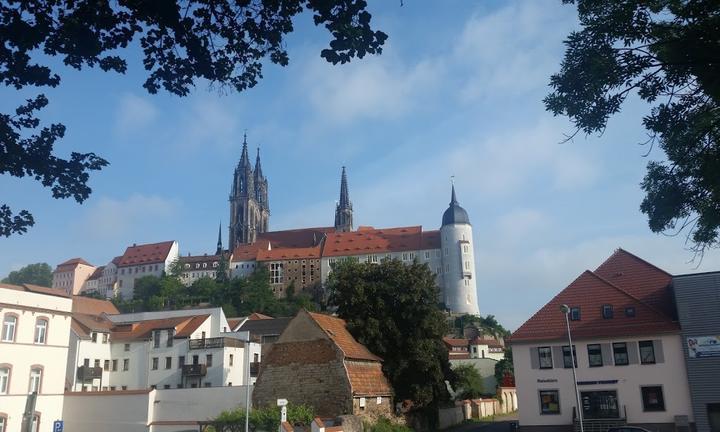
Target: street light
x,y
566,311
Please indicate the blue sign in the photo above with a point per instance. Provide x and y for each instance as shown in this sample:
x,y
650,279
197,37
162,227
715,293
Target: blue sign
x,y
58,426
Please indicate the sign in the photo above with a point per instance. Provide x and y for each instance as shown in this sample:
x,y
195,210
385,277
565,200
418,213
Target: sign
x,y
281,402
703,346
283,414
58,426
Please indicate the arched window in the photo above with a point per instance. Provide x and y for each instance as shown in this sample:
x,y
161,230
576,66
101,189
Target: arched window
x,y
41,327
5,371
35,379
9,327
3,422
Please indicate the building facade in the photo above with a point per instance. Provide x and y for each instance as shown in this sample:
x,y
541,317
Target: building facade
x,y
71,275
627,349
33,352
249,204
697,297
152,259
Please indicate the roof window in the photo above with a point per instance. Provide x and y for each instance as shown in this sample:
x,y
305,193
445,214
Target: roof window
x,y
630,311
575,313
607,311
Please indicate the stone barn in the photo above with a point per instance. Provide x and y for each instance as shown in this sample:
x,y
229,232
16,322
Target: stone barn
x,y
317,362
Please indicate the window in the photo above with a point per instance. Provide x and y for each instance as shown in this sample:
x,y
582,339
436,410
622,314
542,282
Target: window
x,y
549,402
467,265
127,347
630,311
41,326
208,384
3,423
594,355
208,360
4,379
276,273
231,359
427,255
170,337
114,365
8,328
155,362
86,362
93,337
105,338
647,352
567,358
466,249
106,365
124,387
620,353
97,363
607,311
35,379
575,313
166,386
412,256
405,256
126,365
545,354
181,362
652,398
256,357
168,362
156,338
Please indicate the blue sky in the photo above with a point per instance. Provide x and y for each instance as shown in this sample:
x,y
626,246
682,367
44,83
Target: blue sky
x,y
457,91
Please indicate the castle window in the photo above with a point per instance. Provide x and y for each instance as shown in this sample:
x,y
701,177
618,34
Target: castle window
x,y
427,255
276,273
374,258
412,255
466,249
204,265
405,256
197,266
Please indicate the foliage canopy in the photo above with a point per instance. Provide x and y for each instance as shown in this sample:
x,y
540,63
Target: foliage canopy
x,y
35,274
668,53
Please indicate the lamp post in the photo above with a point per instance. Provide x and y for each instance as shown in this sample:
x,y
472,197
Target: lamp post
x,y
566,311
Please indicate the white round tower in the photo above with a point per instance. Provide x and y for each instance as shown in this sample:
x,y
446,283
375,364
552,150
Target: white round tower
x,y
458,258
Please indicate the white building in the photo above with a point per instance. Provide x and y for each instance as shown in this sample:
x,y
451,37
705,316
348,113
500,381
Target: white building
x,y
71,275
152,259
198,267
164,350
627,348
33,353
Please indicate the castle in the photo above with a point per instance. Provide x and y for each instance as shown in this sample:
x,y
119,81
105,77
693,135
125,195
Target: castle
x,y
297,260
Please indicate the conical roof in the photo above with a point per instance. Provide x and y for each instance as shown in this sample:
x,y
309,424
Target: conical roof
x,y
455,214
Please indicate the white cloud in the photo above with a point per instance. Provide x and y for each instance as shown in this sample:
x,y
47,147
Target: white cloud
x,y
134,113
207,120
111,218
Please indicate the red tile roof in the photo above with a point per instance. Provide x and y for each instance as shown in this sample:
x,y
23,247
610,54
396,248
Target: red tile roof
x,y
369,241
258,316
91,306
37,289
234,323
142,330
97,274
84,324
145,254
643,287
73,262
337,330
297,238
367,379
288,253
248,252
456,342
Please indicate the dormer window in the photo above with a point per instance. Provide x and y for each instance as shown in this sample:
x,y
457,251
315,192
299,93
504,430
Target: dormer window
x,y
630,311
575,313
607,311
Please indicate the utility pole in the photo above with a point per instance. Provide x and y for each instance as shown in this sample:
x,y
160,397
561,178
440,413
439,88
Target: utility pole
x,y
566,311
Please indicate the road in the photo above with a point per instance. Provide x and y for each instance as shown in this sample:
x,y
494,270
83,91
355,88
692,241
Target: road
x,y
500,425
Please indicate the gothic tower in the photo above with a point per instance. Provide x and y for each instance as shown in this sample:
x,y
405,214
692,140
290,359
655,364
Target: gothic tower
x,y
343,209
249,208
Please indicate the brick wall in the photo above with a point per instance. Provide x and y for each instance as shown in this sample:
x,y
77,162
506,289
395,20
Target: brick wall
x,y
308,372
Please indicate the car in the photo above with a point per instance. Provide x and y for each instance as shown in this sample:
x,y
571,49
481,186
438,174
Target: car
x,y
627,429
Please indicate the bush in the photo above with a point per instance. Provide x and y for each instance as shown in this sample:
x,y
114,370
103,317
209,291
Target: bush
x,y
264,419
385,425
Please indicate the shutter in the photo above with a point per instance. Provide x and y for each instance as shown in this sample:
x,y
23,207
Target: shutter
x,y
607,354
633,356
558,359
534,358
658,348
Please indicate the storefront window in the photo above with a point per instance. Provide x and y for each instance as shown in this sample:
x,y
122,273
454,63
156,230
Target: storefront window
x,y
652,398
549,402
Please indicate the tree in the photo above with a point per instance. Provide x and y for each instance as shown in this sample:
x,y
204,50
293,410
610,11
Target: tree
x,y
488,325
504,366
35,274
224,42
393,309
468,382
668,52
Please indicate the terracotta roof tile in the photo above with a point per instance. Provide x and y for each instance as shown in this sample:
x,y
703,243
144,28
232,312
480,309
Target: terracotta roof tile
x,y
336,329
258,316
456,342
91,306
84,324
367,379
73,262
590,291
288,253
146,254
97,274
369,241
234,322
297,238
142,330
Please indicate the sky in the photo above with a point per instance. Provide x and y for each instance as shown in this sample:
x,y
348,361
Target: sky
x,y
456,92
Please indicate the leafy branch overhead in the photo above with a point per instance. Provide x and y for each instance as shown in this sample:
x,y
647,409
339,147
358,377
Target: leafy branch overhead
x,y
668,53
223,42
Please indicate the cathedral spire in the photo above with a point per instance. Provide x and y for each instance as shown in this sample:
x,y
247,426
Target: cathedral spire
x,y
244,158
258,167
343,210
453,199
219,249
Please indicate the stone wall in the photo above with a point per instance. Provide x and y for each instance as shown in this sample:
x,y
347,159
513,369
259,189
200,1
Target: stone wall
x,y
310,373
373,410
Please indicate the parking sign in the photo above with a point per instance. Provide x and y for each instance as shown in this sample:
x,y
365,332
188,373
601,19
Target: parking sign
x,y
58,426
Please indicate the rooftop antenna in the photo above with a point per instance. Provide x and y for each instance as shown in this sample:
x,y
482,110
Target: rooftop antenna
x,y
452,180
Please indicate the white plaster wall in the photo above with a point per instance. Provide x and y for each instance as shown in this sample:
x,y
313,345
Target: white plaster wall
x,y
459,298
87,349
242,269
671,375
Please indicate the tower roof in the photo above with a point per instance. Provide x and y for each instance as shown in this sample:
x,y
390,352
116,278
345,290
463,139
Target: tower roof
x,y
258,167
455,214
344,194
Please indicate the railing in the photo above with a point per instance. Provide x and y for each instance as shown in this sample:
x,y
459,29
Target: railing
x,y
87,372
194,370
212,343
254,369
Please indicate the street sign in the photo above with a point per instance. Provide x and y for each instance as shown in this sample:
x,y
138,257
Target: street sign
x,y
281,402
58,426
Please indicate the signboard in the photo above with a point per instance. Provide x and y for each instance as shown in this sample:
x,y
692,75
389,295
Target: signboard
x,y
703,346
58,426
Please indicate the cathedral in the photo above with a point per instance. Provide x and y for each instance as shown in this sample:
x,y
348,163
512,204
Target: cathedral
x,y
301,259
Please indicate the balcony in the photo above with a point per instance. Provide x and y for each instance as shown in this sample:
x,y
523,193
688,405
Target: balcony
x,y
88,373
194,370
254,369
213,343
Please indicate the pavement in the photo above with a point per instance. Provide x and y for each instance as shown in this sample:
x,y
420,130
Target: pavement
x,y
500,424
